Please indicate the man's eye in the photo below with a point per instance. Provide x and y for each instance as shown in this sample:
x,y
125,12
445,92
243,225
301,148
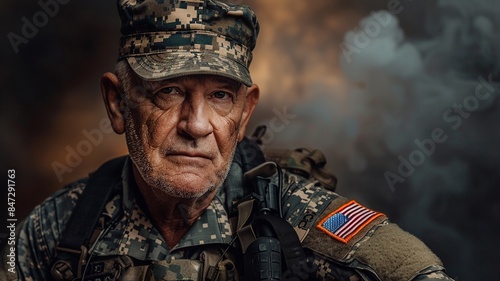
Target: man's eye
x,y
221,95
169,90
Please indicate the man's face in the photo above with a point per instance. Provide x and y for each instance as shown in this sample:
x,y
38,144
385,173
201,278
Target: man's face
x,y
182,132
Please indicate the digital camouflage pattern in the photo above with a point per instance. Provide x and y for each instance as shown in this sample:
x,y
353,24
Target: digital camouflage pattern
x,y
131,234
170,38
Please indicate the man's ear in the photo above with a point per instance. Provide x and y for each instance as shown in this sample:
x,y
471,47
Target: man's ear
x,y
113,96
252,98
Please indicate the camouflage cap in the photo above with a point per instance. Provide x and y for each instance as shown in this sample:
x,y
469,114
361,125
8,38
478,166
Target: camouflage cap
x,y
171,38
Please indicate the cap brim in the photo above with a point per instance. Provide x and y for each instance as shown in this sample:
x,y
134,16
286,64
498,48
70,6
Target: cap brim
x,y
175,64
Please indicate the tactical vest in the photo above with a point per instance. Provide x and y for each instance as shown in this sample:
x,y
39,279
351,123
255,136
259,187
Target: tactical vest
x,y
85,227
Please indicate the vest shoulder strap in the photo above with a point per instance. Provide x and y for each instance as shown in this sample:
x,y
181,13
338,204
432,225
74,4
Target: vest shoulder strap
x,y
71,248
305,162
308,163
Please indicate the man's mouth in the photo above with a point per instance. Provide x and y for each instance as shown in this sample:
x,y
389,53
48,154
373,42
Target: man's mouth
x,y
189,157
189,154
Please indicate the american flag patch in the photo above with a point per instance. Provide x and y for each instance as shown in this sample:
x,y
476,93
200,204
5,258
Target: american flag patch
x,y
348,220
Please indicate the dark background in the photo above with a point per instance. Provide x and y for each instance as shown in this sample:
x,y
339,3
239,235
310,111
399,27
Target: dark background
x,y
366,109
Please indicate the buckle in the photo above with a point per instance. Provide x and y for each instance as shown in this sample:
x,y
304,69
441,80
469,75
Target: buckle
x,y
63,269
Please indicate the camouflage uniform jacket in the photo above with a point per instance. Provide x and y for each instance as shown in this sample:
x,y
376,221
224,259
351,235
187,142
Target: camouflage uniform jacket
x,y
371,254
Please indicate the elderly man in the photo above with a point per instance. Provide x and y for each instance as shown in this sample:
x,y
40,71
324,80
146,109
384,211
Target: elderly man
x,y
195,200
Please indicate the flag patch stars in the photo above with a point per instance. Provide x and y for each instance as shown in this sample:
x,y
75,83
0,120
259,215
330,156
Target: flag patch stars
x,y
348,220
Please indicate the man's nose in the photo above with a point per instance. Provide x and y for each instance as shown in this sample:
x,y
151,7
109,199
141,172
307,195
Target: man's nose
x,y
195,117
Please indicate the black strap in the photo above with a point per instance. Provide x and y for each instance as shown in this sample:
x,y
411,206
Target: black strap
x,y
90,205
290,243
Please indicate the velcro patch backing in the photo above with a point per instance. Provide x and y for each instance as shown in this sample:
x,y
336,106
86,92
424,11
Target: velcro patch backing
x,y
347,221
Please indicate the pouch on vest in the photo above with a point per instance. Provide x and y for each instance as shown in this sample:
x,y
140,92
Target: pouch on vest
x,y
210,266
308,163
